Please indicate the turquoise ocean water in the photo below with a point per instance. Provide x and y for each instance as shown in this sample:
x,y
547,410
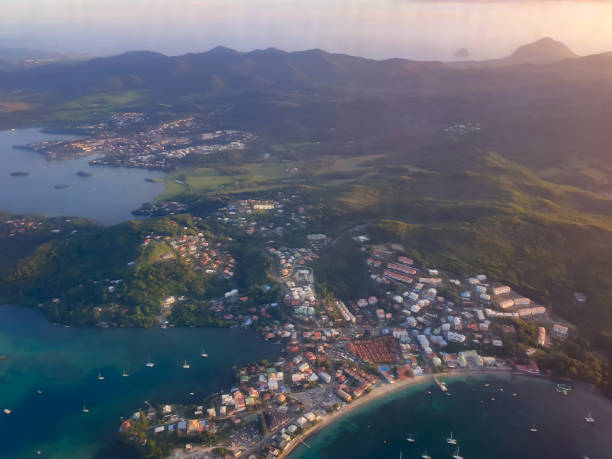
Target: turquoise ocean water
x,y
484,428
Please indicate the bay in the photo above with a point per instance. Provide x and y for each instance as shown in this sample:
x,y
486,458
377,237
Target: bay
x,y
64,362
109,195
484,428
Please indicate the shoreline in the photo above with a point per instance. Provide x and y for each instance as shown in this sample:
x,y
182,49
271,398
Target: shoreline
x,y
376,394
387,390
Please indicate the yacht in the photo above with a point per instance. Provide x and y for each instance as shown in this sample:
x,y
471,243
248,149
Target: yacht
x,y
100,377
456,455
533,429
186,366
85,409
450,440
590,418
410,438
425,455
149,364
124,374
204,354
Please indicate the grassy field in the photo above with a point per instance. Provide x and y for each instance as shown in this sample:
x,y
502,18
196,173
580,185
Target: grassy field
x,y
227,180
96,106
328,172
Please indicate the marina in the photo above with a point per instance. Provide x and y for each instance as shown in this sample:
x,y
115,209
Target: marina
x,y
64,363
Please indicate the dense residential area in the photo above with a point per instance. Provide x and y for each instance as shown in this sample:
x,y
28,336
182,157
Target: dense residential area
x,y
131,140
415,323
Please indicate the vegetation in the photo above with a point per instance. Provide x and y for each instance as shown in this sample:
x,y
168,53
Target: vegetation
x,y
106,275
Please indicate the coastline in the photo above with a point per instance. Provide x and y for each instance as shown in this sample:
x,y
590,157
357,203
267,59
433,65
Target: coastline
x,y
376,394
384,391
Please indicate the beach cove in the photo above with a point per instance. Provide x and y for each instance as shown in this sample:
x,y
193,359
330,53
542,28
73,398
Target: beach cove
x,y
491,421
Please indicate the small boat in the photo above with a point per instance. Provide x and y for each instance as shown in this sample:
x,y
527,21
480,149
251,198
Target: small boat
x,y
429,392
186,366
204,354
450,440
39,392
456,455
192,393
149,364
124,374
85,409
487,385
590,419
533,429
7,411
425,455
410,438
515,394
501,389
100,377
564,388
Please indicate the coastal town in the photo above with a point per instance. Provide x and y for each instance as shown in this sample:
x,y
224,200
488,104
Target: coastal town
x,y
131,140
418,323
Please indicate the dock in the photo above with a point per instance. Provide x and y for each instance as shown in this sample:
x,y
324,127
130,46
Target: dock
x,y
441,384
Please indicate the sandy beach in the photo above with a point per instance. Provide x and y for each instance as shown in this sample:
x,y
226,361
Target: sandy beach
x,y
377,394
382,392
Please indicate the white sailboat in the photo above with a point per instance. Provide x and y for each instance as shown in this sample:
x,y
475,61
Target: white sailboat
x,y
410,438
457,455
149,364
84,409
450,440
425,455
100,377
124,374
533,429
204,354
186,366
590,419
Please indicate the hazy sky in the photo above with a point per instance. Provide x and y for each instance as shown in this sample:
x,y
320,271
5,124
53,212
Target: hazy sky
x,y
426,29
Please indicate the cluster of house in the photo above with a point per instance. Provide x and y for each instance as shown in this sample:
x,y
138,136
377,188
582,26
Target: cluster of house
x,y
161,208
281,214
463,128
14,226
297,279
425,323
197,251
125,140
167,420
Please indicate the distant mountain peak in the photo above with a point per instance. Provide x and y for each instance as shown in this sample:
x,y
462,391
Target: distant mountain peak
x,y
223,50
542,51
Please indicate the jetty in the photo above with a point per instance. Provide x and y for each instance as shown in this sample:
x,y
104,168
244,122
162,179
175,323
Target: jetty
x,y
441,384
